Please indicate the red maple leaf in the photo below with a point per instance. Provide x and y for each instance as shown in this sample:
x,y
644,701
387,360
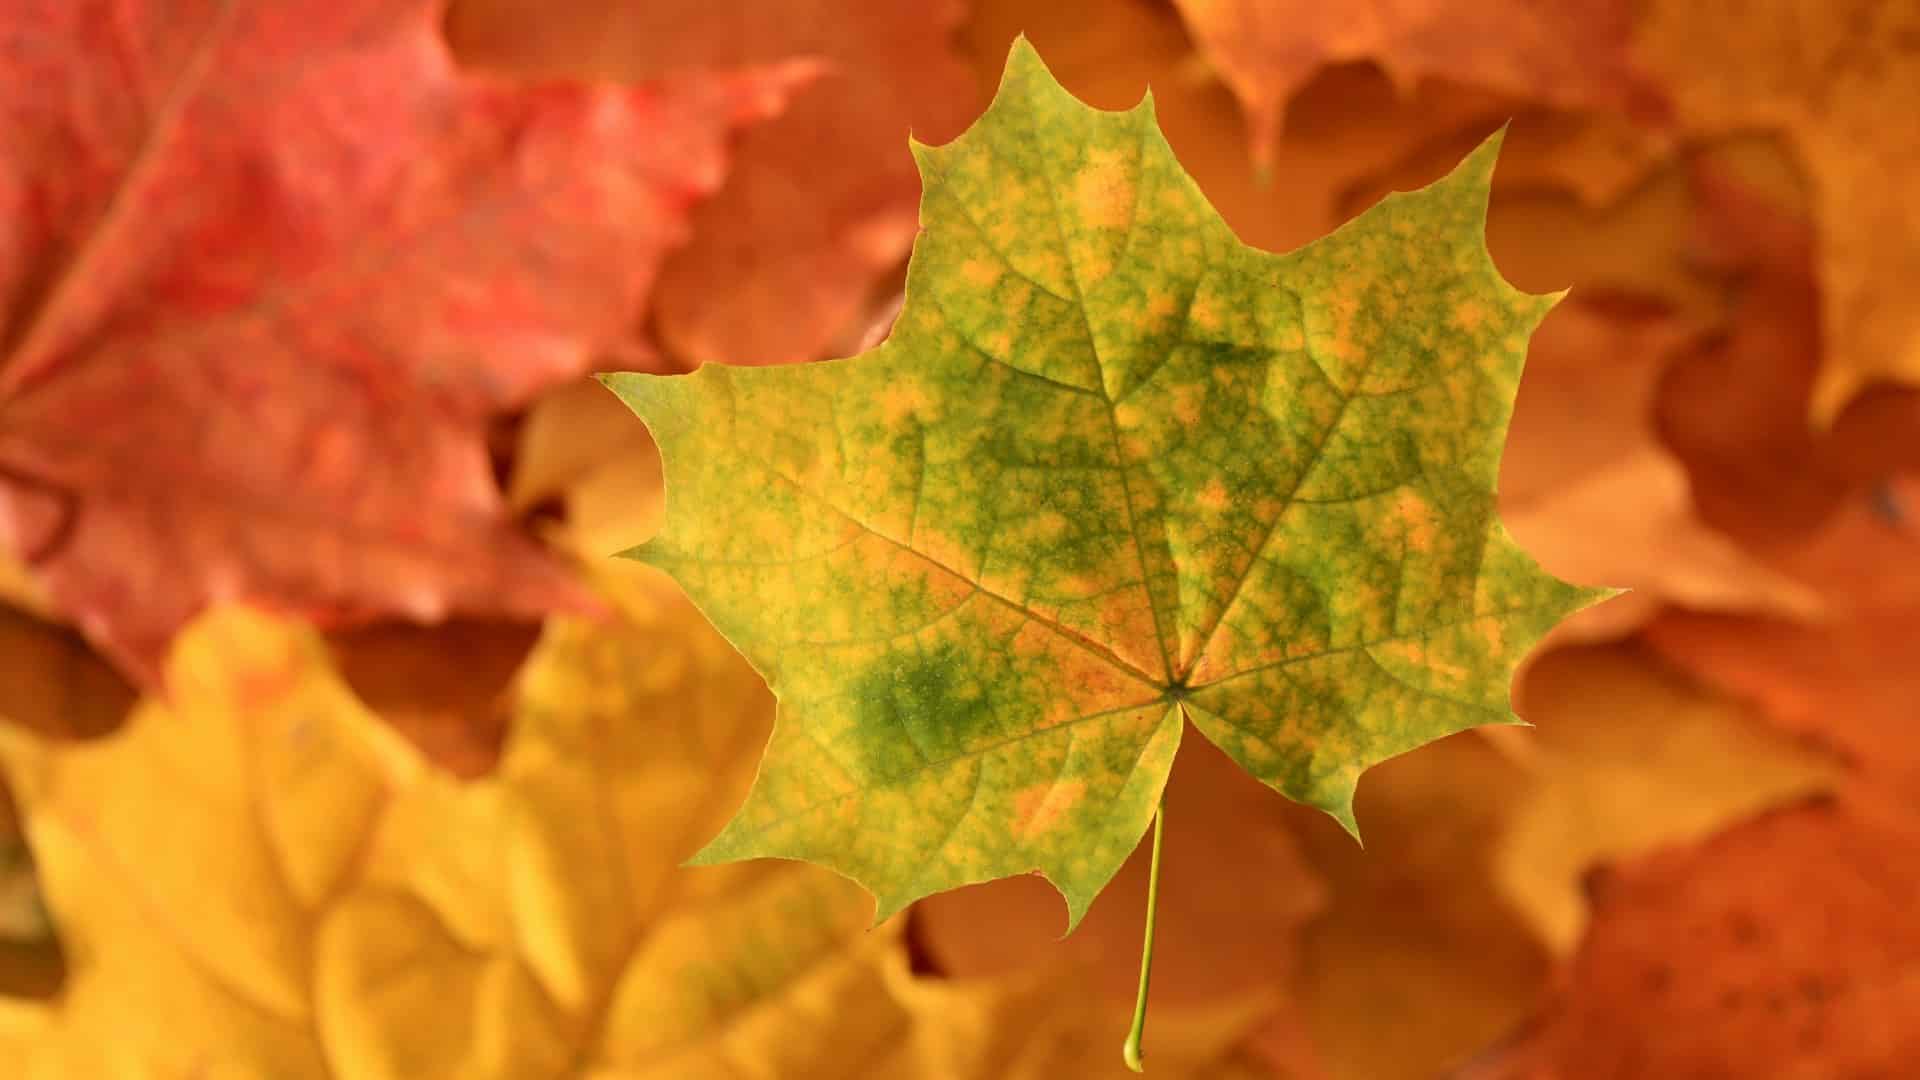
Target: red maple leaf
x,y
266,269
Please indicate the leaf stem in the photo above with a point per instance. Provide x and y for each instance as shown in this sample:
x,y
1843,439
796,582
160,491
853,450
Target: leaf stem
x,y
1130,1052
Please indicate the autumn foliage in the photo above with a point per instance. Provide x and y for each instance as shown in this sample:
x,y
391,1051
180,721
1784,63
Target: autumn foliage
x,y
335,743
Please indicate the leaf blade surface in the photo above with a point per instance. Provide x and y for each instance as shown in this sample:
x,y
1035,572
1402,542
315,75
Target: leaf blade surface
x,y
267,280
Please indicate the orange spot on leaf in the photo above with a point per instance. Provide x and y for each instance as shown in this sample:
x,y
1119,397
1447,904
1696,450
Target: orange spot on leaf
x,y
1040,808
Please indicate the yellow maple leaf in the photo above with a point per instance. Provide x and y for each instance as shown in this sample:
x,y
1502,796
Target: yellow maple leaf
x,y
1630,757
258,878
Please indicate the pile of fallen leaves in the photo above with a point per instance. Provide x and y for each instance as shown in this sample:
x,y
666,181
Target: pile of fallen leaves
x,y
337,746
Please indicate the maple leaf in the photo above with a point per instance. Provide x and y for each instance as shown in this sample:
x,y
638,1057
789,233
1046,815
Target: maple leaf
x,y
1697,960
1847,684
443,687
52,683
240,924
257,877
1587,485
1477,848
820,204
265,278
1733,409
1112,469
1572,56
1629,757
1838,81
579,445
1700,962
1416,911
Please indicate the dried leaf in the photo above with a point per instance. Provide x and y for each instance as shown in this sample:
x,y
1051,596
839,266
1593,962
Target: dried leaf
x,y
1586,484
819,207
238,925
1733,409
1778,947
1443,931
1043,1025
1841,81
1569,55
1629,757
267,277
1417,939
1784,947
444,688
1848,685
53,684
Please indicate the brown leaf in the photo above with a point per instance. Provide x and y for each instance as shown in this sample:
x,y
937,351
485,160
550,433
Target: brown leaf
x,y
1630,756
1587,487
52,683
1848,685
1444,929
1840,80
31,962
1785,947
267,278
822,203
1568,55
444,688
1040,1025
1417,940
1866,557
1734,408
1781,947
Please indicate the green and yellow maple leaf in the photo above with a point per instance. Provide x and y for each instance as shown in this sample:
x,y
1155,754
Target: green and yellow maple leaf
x,y
1113,468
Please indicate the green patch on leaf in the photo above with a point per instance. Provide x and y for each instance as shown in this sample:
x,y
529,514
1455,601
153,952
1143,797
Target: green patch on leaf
x,y
1112,468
